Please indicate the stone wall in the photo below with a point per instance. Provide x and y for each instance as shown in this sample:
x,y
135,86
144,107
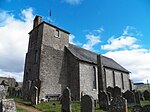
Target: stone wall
x,y
52,65
118,79
73,75
87,79
109,78
31,69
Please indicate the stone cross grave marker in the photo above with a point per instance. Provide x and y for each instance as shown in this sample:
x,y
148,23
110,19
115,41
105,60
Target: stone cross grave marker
x,y
129,95
87,104
118,104
66,100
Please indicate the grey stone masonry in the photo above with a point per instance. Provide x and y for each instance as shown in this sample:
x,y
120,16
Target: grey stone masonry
x,y
66,101
2,92
87,104
8,105
118,104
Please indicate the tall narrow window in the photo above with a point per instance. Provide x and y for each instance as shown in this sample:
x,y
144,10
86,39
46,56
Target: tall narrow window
x,y
56,33
122,80
36,56
94,81
114,82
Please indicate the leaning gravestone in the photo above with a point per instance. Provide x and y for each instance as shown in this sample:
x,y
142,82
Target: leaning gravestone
x,y
137,98
8,105
66,100
129,95
146,108
34,98
87,104
146,95
103,100
118,104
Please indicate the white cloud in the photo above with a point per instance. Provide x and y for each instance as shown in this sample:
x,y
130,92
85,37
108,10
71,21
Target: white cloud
x,y
72,40
120,42
73,2
132,31
92,41
127,40
13,41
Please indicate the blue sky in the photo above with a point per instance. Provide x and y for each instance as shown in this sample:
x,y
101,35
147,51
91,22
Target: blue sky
x,y
115,28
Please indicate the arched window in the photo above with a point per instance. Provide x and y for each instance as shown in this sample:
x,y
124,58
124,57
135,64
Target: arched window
x,y
36,56
94,80
122,80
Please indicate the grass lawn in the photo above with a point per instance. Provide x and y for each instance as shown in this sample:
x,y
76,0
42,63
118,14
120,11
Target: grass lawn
x,y
21,110
55,106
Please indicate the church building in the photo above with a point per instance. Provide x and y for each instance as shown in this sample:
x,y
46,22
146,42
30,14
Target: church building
x,y
52,64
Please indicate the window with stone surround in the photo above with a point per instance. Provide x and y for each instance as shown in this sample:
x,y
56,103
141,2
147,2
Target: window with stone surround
x,y
94,80
122,81
57,33
36,56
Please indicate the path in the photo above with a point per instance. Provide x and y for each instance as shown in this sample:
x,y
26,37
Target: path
x,y
28,108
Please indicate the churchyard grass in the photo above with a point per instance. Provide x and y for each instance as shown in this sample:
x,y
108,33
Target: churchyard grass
x,y
20,109
55,106
145,102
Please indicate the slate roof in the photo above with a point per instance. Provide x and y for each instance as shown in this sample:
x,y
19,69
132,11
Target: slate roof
x,y
91,57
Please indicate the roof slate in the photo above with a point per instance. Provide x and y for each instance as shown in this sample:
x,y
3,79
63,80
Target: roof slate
x,y
91,57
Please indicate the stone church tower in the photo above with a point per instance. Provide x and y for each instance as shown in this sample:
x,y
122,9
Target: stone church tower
x,y
45,60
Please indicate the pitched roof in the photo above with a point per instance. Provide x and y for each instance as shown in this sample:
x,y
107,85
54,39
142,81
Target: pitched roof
x,y
91,57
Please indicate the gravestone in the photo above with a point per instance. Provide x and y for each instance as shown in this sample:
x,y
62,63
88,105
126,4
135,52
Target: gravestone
x,y
2,92
141,96
118,104
116,91
8,105
137,98
146,108
109,89
66,100
103,100
137,108
34,98
87,104
146,95
129,95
